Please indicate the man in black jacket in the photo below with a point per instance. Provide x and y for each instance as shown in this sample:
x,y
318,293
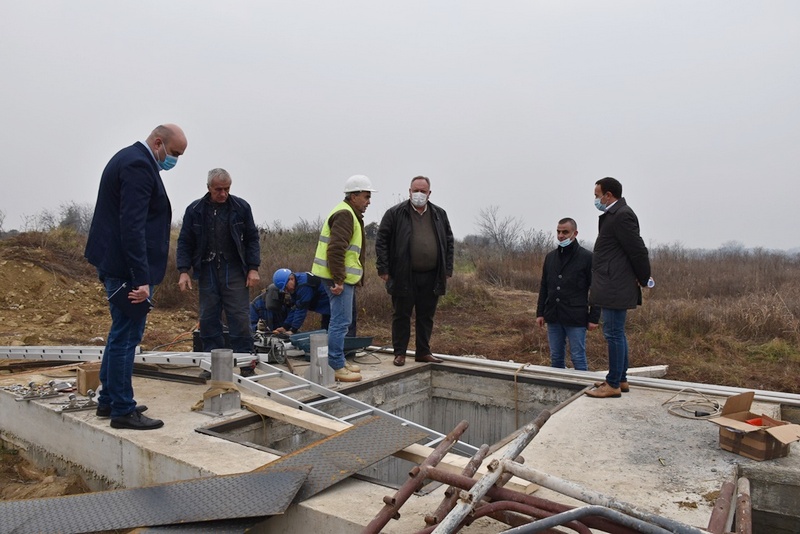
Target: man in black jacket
x,y
620,268
564,298
414,250
219,243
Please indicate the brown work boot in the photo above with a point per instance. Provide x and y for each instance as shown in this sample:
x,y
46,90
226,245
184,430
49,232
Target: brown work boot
x,y
604,391
346,375
623,386
353,367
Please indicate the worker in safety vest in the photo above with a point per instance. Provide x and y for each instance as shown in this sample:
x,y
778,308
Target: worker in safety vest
x,y
339,261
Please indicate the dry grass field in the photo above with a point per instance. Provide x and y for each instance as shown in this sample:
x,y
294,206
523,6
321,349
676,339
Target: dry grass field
x,y
728,316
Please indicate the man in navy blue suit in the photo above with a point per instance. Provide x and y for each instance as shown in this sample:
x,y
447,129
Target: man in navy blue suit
x,y
128,244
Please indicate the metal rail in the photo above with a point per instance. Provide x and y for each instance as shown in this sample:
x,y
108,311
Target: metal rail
x,y
329,398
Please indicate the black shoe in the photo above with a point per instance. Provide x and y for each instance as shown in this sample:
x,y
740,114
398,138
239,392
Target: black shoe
x,y
136,421
105,411
246,372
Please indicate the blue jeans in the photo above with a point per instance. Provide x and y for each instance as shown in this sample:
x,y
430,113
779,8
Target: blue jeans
x,y
557,336
224,287
614,332
116,369
341,317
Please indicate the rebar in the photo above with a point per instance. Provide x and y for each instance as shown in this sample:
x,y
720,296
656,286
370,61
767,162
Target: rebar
x,y
718,522
542,525
744,511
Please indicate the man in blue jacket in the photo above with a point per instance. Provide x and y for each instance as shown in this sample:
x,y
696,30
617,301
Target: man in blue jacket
x,y
128,243
620,268
219,243
414,250
306,293
564,298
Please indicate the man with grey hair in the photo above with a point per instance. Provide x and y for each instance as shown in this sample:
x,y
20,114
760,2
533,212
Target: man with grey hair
x,y
219,243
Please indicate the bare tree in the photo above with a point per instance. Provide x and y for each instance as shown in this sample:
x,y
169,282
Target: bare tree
x,y
506,233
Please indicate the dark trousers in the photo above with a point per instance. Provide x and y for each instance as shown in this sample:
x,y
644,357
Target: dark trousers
x,y
224,287
422,300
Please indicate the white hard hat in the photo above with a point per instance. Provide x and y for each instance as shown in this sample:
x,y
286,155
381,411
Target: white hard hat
x,y
358,182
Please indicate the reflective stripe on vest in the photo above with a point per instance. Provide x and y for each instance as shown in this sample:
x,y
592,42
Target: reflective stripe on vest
x,y
352,262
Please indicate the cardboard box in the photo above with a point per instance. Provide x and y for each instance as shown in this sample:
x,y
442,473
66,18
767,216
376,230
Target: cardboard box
x,y
765,439
88,377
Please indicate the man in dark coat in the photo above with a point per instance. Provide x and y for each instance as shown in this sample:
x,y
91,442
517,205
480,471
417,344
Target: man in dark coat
x,y
128,243
414,250
620,268
564,298
219,242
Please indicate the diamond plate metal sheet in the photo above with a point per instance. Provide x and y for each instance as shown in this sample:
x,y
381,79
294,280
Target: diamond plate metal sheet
x,y
338,456
262,493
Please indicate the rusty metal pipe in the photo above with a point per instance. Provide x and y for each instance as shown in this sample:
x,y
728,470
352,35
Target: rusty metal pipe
x,y
496,493
744,510
586,495
542,525
451,495
478,491
717,523
416,479
522,508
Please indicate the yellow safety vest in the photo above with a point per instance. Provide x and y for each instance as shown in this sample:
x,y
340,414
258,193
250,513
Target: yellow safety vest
x,y
352,260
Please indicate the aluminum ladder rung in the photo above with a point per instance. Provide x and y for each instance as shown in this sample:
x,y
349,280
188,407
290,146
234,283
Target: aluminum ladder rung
x,y
265,376
435,442
356,415
322,402
291,388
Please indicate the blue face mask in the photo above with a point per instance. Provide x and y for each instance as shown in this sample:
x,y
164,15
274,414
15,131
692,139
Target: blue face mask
x,y
169,161
599,205
565,243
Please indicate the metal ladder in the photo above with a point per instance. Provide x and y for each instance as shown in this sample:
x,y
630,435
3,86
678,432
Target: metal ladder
x,y
329,398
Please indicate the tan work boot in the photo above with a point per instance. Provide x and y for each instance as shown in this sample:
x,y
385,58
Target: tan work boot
x,y
346,375
623,386
604,391
353,367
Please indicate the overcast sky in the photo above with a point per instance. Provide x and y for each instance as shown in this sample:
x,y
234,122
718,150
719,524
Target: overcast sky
x,y
692,105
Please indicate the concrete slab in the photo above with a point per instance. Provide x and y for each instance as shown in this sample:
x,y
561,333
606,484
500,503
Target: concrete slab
x,y
629,448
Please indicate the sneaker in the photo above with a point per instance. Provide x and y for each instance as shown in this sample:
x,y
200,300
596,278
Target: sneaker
x,y
346,375
623,386
352,367
604,391
105,411
136,421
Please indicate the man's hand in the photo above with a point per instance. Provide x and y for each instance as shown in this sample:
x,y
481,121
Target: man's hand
x,y
252,278
139,294
337,289
279,330
593,326
384,277
540,321
184,281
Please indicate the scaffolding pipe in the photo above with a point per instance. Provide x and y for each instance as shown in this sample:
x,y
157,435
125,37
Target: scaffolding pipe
x,y
468,499
576,491
789,399
417,477
451,494
593,510
548,507
718,522
744,511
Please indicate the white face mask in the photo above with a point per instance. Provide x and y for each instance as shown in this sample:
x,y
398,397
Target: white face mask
x,y
418,199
